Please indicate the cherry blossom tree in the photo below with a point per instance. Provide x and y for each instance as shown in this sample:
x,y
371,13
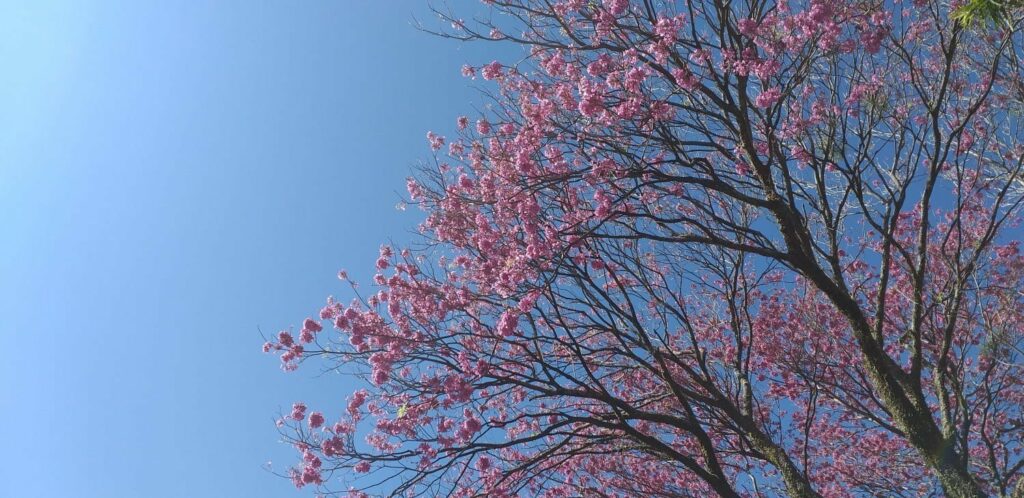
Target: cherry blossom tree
x,y
699,248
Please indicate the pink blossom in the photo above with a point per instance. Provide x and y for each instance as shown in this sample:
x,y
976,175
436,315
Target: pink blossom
x,y
508,323
316,419
603,203
312,325
616,7
667,28
357,400
285,339
685,79
436,141
591,104
768,97
555,65
747,27
604,64
492,71
483,463
298,411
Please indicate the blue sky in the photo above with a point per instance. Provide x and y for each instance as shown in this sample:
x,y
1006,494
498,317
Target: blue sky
x,y
175,177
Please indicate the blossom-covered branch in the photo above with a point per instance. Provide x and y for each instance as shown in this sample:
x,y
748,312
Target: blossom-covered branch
x,y
751,248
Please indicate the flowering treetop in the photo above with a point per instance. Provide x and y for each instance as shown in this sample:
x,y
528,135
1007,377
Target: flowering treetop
x,y
747,248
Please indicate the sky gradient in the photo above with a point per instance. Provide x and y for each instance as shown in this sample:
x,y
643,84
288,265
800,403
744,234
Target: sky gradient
x,y
176,178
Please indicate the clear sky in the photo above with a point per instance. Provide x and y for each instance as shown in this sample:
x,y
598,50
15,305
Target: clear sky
x,y
174,178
